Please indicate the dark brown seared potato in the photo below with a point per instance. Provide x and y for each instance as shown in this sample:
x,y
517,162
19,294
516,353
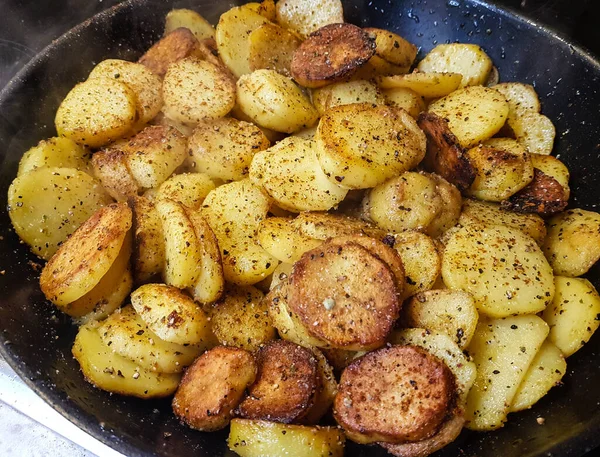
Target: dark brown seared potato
x,y
394,395
330,54
177,45
286,384
544,195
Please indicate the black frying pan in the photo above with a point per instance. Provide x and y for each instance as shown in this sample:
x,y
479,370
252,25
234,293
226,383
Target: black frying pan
x,y
36,339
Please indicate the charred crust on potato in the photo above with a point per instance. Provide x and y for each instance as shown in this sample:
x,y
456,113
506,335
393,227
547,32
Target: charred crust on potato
x,y
177,45
543,196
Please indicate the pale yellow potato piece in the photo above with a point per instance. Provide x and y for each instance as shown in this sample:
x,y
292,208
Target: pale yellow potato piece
x,y
405,98
376,67
474,113
149,249
189,189
327,392
504,270
428,85
322,226
290,173
573,315
128,336
191,20
572,245
172,315
272,47
234,212
551,166
195,89
233,29
345,93
110,167
534,131
265,8
109,371
393,48
58,152
307,134
96,112
145,84
469,60
280,274
274,101
116,294
493,78
521,97
506,144
451,312
503,350
307,16
546,370
281,238
361,145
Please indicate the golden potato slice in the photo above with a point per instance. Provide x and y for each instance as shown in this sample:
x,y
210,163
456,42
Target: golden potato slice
x,y
54,152
84,258
275,102
280,274
191,20
189,189
213,387
573,315
362,145
254,438
327,392
322,226
283,240
407,99
108,371
96,112
553,167
508,145
345,93
176,45
149,247
521,97
502,350
468,60
393,48
307,17
286,383
272,47
534,131
544,195
428,85
398,378
110,167
376,67
474,113
330,54
265,8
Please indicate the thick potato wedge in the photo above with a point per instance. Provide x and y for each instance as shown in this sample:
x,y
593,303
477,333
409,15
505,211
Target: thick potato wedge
x,y
213,387
59,152
149,247
322,226
546,370
110,167
362,145
272,47
172,315
191,20
393,48
534,131
345,93
242,319
573,315
407,99
521,97
474,113
551,166
286,383
399,378
195,89
176,45
281,238
189,189
428,85
45,225
502,350
330,54
256,438
83,259
96,112
308,17
275,102
290,173
544,195
468,60
572,244
109,371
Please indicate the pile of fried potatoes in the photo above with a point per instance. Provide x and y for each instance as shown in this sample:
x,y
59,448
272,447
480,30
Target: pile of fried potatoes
x,y
286,217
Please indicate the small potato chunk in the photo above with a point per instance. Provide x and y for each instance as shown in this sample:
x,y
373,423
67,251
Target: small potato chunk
x,y
330,54
521,97
272,47
195,89
275,102
242,319
283,240
503,350
504,270
145,84
407,99
290,173
108,371
469,60
110,167
362,145
149,247
546,370
553,167
573,242
256,438
474,113
534,131
286,383
96,112
400,378
191,20
345,93
308,17
84,258
451,312
573,315
55,152
393,48
189,189
428,85
176,45
322,226
544,195
172,315
213,387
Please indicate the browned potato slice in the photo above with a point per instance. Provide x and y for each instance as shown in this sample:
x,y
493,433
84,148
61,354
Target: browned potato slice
x,y
176,45
322,226
327,392
191,20
551,166
110,167
469,60
544,195
376,67
55,152
189,189
358,288
339,358
393,48
428,85
213,387
272,47
307,17
149,247
286,383
283,240
330,54
86,256
406,99
398,378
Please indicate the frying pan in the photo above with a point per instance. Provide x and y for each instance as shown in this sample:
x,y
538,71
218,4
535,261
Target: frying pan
x,y
36,339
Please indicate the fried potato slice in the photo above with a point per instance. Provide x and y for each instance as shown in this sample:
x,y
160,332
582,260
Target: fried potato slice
x,y
213,387
265,8
176,45
56,152
534,131
149,248
393,48
428,85
272,47
308,17
286,383
521,97
281,238
346,93
322,226
405,378
189,189
469,60
544,195
327,392
110,167
191,20
376,67
551,166
407,99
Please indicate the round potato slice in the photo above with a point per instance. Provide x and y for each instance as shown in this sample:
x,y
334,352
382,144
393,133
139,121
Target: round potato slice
x,y
56,152
428,85
406,99
189,189
345,93
308,17
393,48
